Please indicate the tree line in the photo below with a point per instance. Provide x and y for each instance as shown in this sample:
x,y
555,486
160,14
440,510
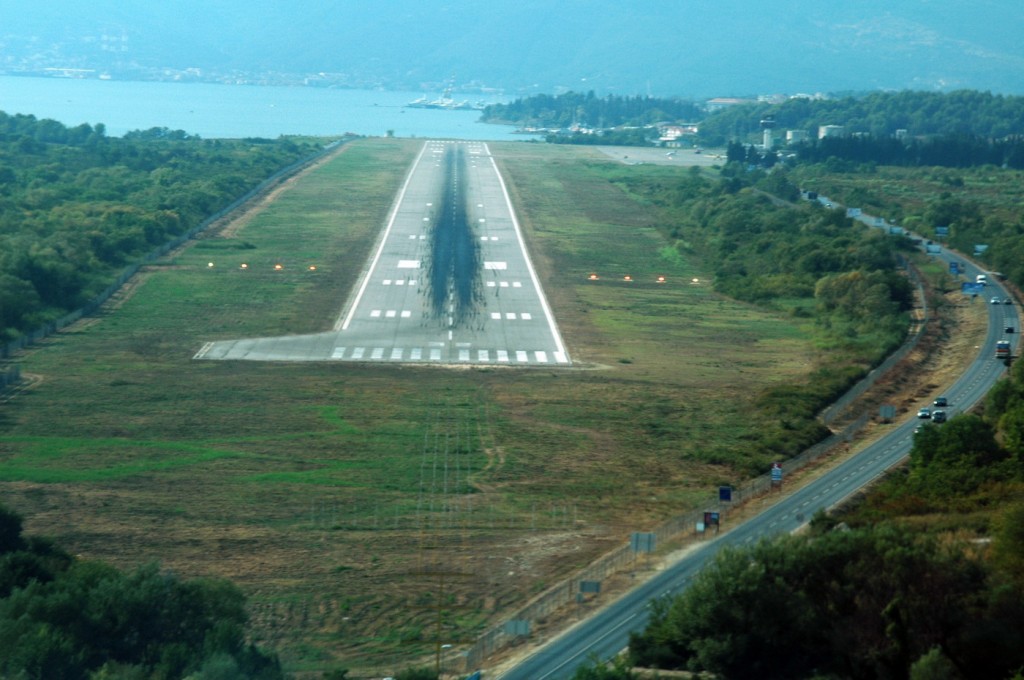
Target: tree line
x,y
77,205
65,617
589,110
879,114
955,129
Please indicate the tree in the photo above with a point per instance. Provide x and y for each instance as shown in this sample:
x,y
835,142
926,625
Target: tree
x,y
863,603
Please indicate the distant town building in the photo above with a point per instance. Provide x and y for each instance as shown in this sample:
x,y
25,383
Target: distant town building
x,y
796,136
830,131
673,135
901,133
719,103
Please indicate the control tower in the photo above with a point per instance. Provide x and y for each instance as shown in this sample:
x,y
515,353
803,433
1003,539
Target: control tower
x,y
767,125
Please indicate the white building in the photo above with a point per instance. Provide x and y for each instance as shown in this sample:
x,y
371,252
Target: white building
x,y
796,136
830,131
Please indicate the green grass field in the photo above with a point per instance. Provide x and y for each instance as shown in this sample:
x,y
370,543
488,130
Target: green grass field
x,y
334,494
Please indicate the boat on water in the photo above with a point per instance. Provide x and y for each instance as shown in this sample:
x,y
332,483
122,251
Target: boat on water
x,y
445,102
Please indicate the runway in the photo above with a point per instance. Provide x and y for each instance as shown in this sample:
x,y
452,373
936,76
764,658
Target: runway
x,y
449,283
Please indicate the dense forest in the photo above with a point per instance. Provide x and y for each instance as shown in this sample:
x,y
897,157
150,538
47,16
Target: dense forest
x,y
76,205
64,617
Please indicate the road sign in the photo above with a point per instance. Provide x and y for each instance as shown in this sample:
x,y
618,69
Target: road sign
x,y
642,542
776,472
517,627
954,268
972,288
725,493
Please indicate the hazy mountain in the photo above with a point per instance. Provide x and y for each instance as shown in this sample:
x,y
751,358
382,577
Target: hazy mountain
x,y
682,47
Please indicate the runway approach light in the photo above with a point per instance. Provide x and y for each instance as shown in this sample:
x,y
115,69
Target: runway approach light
x,y
243,266
661,279
695,280
627,277
593,277
278,267
210,265
312,267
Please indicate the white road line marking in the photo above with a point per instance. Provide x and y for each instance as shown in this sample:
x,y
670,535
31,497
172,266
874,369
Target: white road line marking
x,y
526,316
463,355
377,353
435,355
338,353
374,314
384,239
496,316
406,313
396,353
559,346
517,284
390,314
496,265
510,315
358,352
491,284
561,358
202,350
521,356
483,355
542,356
416,353
503,355
408,264
504,284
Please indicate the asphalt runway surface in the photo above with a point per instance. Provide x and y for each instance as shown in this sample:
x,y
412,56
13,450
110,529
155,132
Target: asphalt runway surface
x,y
450,282
646,155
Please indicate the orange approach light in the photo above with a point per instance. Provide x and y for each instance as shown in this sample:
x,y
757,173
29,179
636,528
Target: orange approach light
x,y
661,279
627,277
243,266
312,267
278,267
592,277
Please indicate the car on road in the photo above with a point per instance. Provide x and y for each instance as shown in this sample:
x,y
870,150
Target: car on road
x,y
924,413
938,416
1009,329
1007,301
995,301
940,402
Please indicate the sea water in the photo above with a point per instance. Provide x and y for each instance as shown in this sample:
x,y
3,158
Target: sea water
x,y
234,111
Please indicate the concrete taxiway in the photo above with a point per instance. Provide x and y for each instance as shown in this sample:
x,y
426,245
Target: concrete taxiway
x,y
392,315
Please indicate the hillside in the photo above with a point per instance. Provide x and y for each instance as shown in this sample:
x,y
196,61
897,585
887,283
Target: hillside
x,y
696,49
